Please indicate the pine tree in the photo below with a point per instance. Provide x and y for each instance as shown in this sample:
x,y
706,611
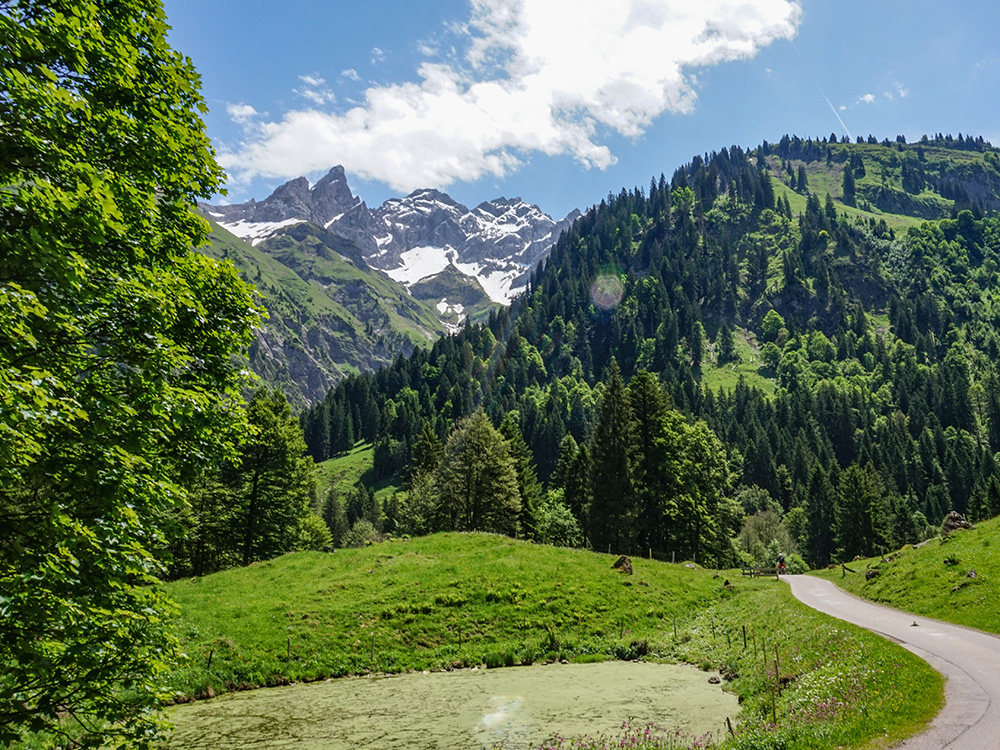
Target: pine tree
x,y
335,517
612,510
725,345
527,478
428,450
649,409
861,514
848,186
820,514
568,450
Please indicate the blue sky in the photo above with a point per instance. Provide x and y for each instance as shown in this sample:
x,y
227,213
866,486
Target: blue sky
x,y
562,101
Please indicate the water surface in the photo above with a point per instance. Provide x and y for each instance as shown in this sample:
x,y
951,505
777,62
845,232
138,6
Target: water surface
x,y
464,710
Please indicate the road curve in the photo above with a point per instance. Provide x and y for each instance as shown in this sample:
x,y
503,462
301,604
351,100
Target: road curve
x,y
969,659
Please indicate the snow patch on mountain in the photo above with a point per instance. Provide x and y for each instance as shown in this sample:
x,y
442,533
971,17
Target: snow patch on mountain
x,y
419,263
256,232
444,307
501,285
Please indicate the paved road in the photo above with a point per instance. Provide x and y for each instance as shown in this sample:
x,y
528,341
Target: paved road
x,y
969,659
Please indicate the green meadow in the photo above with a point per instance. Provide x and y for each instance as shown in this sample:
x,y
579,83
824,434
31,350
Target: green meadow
x,y
454,601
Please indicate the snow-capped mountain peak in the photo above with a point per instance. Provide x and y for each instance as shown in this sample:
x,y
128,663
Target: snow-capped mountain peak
x,y
411,238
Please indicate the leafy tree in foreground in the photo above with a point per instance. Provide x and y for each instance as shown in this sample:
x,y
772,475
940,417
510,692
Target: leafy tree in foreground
x,y
118,381
259,505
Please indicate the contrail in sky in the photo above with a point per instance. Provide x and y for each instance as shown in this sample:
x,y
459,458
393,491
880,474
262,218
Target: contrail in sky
x,y
835,112
832,108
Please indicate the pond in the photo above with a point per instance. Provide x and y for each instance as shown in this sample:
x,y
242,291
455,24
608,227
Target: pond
x,y
520,707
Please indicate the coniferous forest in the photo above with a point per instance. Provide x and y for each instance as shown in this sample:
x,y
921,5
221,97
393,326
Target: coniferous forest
x,y
867,404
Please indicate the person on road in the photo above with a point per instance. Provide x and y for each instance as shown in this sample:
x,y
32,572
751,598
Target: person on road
x,y
781,563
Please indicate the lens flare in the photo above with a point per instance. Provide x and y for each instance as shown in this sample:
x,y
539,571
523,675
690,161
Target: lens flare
x,y
607,291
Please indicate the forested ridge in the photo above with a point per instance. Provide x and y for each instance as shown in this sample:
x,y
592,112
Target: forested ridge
x,y
867,403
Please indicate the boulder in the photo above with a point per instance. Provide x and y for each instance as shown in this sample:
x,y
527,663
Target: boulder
x,y
954,521
624,564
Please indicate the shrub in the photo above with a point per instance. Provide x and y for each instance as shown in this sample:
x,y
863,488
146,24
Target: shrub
x,y
795,564
362,533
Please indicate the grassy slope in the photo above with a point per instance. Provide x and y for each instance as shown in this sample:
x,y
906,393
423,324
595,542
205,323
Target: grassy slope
x,y
269,276
327,317
316,255
294,275
347,471
883,167
749,367
453,600
933,580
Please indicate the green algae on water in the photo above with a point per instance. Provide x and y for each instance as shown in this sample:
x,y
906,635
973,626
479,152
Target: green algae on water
x,y
518,707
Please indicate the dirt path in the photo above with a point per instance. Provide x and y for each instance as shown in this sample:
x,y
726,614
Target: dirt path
x,y
969,659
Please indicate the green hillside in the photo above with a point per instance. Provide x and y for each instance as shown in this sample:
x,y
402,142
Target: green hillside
x,y
328,313
836,337
456,600
344,473
953,578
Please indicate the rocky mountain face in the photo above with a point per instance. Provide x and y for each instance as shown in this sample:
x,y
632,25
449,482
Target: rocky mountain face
x,y
348,288
413,238
328,313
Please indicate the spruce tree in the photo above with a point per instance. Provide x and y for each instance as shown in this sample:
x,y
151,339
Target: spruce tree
x,y
527,478
848,186
612,508
725,345
649,409
819,511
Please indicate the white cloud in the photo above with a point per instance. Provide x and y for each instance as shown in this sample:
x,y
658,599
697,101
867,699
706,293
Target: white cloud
x,y
241,113
538,76
350,74
316,91
377,55
867,99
